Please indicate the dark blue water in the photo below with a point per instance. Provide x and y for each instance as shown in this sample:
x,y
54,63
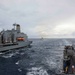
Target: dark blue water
x,y
43,58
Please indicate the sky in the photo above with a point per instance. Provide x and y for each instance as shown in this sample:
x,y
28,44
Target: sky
x,y
39,18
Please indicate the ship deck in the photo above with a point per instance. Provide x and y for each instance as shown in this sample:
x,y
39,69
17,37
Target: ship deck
x,y
69,69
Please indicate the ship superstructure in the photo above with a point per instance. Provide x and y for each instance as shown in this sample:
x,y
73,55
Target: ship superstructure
x,y
69,60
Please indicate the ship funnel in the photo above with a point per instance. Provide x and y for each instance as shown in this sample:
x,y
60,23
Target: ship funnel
x,y
18,28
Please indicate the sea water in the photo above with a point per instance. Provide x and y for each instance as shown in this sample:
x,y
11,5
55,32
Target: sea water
x,y
45,57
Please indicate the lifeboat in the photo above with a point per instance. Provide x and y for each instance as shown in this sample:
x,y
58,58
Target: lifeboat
x,y
20,39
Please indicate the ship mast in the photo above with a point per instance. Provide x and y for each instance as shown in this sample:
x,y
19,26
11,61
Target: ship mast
x,y
14,26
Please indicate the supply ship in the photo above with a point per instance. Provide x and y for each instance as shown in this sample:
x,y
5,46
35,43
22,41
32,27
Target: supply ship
x,y
13,39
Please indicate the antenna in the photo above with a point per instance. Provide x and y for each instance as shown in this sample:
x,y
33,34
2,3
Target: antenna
x,y
14,25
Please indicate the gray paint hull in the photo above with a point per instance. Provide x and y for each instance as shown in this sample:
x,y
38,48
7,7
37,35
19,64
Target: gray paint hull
x,y
19,45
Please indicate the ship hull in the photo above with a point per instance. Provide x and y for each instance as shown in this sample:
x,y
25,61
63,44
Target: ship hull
x,y
16,46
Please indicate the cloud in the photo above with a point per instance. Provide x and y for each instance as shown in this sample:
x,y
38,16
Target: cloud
x,y
47,18
62,29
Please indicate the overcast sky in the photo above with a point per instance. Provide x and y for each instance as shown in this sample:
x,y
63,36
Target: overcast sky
x,y
39,18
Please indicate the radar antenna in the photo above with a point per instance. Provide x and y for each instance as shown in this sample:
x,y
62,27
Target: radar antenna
x,y
14,25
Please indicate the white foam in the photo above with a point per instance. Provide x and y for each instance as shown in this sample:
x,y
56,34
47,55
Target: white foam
x,y
22,53
37,71
17,63
19,70
8,55
66,42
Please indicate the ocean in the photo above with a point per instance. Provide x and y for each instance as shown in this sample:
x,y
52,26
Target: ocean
x,y
44,57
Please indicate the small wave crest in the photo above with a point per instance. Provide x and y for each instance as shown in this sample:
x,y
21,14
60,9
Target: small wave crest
x,y
37,71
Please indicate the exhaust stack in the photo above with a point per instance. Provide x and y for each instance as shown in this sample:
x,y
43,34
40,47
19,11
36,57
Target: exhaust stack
x,y
18,28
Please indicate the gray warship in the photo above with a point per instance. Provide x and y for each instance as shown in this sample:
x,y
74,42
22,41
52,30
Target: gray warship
x,y
13,39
